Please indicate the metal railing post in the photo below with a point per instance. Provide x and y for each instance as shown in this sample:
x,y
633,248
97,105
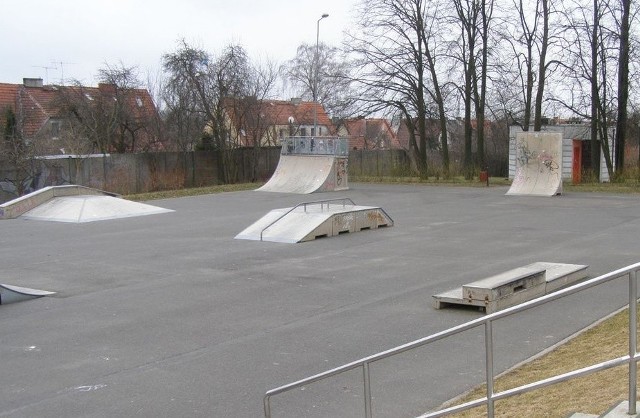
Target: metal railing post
x,y
633,340
367,390
488,346
267,406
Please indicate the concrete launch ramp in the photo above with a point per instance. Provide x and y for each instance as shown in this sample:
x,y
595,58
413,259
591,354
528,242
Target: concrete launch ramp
x,y
308,174
76,204
12,294
308,221
538,164
80,209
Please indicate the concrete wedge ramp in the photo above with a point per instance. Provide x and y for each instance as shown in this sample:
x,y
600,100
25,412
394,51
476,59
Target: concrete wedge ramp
x,y
309,221
76,204
308,174
80,209
12,294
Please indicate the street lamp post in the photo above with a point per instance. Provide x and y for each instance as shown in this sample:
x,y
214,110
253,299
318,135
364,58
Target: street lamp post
x,y
315,77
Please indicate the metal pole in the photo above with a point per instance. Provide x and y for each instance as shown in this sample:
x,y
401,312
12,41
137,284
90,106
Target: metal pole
x,y
367,390
488,346
315,77
633,340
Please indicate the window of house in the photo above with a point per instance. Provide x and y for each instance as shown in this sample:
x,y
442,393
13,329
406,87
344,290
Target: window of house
x,y
303,131
139,101
281,133
55,129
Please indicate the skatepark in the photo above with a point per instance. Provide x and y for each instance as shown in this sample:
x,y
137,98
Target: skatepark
x,y
169,315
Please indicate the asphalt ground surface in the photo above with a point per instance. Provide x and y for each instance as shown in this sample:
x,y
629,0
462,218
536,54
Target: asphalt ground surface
x,y
169,316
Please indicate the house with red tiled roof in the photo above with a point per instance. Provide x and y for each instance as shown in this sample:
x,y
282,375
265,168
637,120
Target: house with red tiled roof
x,y
45,114
267,122
368,134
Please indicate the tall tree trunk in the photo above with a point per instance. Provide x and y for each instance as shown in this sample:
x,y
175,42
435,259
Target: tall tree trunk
x,y
595,94
623,88
542,66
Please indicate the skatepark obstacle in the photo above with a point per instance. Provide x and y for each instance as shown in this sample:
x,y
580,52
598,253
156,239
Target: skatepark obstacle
x,y
311,220
76,204
310,165
12,294
512,287
538,164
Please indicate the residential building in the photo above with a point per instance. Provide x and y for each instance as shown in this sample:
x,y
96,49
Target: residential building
x,y
368,134
81,120
267,122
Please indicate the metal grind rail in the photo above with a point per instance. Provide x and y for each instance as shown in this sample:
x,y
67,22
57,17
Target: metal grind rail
x,y
305,204
630,359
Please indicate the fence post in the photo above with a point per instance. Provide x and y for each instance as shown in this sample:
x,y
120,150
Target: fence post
x,y
633,340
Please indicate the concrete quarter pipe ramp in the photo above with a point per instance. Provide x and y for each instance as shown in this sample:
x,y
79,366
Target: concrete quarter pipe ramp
x,y
309,165
538,162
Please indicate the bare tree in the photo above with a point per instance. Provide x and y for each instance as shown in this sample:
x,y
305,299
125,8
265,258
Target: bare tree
x,y
397,68
88,117
529,39
333,77
18,152
210,80
117,116
586,89
120,85
623,84
472,51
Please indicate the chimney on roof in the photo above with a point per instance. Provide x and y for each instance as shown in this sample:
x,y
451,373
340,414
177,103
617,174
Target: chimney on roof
x,y
32,82
296,100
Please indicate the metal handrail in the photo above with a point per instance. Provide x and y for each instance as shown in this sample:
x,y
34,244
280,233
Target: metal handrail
x,y
315,145
630,359
305,204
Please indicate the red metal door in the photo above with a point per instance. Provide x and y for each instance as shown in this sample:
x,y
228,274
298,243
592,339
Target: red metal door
x,y
577,161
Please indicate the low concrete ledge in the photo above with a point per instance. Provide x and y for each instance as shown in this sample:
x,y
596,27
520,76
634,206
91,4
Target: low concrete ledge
x,y
16,207
512,287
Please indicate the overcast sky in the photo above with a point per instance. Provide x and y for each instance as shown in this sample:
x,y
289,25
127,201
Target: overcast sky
x,y
74,38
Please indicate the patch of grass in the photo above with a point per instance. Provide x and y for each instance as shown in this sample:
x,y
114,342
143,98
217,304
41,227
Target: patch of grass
x,y
628,186
196,191
451,181
593,394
